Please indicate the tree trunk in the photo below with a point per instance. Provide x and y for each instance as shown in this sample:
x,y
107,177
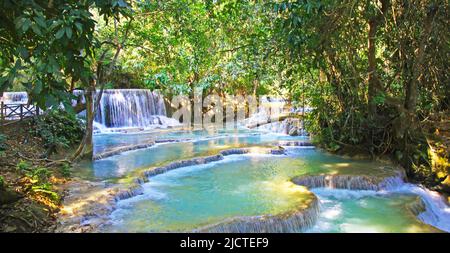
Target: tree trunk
x,y
373,79
255,86
85,149
374,82
412,85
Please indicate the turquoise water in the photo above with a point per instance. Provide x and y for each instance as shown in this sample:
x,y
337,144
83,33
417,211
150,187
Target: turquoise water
x,y
246,185
345,211
202,144
187,198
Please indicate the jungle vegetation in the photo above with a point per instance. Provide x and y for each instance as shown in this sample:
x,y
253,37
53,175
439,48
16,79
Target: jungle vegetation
x,y
376,72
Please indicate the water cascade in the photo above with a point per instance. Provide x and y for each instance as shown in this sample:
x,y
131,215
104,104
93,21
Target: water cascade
x,y
289,222
15,97
436,211
132,108
118,108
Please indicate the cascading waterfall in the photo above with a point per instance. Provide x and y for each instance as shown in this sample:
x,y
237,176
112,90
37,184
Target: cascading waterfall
x,y
15,97
292,222
437,211
118,108
128,108
265,118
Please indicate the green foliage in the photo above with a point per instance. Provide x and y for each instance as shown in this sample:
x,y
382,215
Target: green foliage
x,y
379,99
23,166
58,128
313,52
47,189
2,181
39,178
65,170
39,174
2,142
44,45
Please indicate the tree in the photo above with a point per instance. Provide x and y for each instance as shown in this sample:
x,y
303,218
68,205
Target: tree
x,y
47,46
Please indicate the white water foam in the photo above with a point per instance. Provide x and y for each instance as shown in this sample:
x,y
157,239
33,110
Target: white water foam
x,y
437,212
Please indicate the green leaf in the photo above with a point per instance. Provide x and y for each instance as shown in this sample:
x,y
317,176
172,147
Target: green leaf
x,y
68,32
50,100
19,22
60,33
79,27
36,29
55,24
37,88
26,25
40,21
23,52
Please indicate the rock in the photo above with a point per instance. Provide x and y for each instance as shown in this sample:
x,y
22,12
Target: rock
x,y
445,186
293,131
7,196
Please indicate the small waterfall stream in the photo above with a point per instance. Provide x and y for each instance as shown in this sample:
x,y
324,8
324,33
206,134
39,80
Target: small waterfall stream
x,y
437,212
118,108
130,108
15,97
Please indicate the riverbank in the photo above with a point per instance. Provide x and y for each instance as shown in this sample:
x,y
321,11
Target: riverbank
x,y
33,183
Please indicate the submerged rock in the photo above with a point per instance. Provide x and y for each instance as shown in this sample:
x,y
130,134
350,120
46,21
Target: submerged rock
x,y
118,150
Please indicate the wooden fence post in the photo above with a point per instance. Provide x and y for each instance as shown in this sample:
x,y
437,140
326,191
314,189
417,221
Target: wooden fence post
x,y
2,116
21,112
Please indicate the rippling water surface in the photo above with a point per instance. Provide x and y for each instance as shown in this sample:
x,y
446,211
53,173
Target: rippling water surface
x,y
249,185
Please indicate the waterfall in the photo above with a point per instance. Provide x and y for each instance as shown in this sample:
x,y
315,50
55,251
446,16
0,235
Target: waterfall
x,y
125,108
351,182
437,210
289,222
436,213
15,97
118,108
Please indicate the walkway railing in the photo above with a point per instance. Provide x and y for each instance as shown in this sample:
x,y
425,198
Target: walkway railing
x,y
13,112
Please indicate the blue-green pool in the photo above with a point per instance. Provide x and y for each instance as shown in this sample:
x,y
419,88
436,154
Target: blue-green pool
x,y
249,185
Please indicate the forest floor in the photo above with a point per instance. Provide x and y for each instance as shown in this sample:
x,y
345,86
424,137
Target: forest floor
x,y
28,204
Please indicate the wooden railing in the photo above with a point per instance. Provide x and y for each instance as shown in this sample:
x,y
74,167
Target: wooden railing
x,y
13,112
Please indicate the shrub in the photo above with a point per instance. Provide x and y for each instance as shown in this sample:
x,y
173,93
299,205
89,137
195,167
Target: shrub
x,y
40,183
58,128
23,166
47,189
2,181
65,170
39,175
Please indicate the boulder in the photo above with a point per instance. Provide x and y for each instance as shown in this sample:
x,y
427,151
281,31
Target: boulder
x,y
8,196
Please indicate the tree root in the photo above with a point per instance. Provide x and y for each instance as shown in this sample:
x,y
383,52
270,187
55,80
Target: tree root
x,y
49,163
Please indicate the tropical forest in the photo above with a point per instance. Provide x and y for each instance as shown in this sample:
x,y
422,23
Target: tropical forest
x,y
224,116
